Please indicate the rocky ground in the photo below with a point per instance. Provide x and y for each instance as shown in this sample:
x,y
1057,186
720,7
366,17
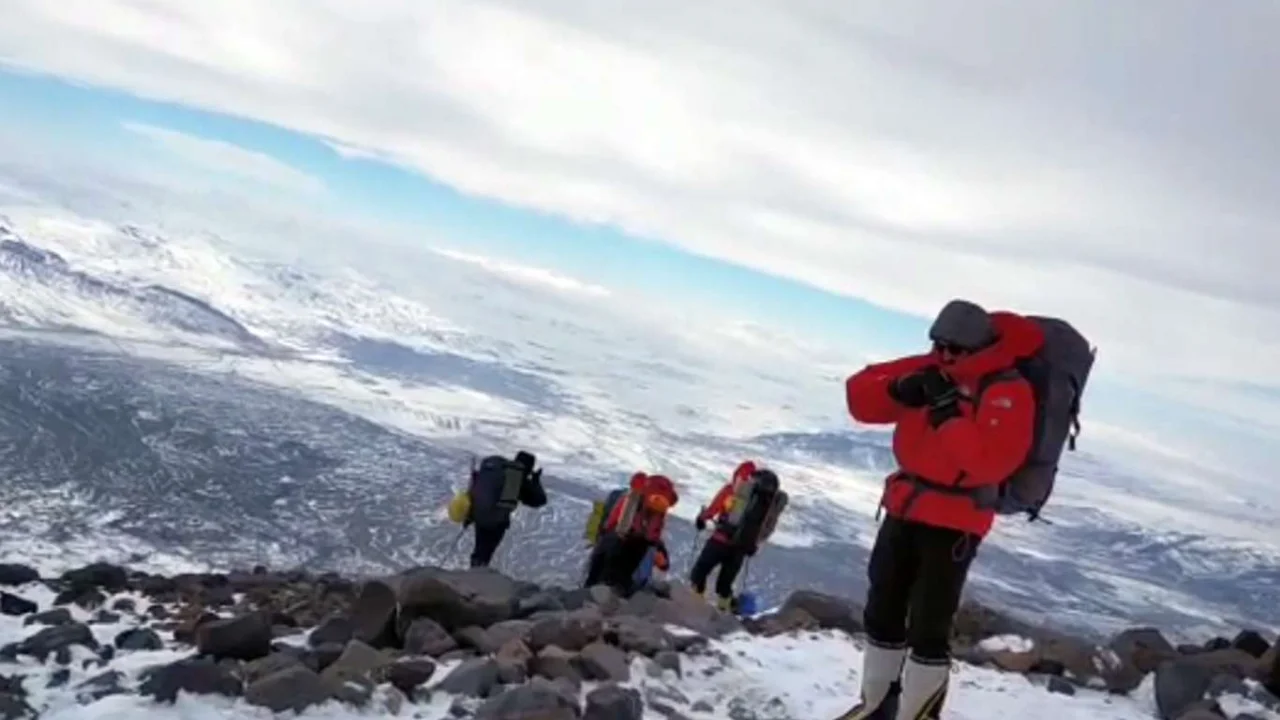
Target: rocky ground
x,y
430,642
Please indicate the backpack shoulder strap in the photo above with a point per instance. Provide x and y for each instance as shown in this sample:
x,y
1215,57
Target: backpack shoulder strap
x,y
986,381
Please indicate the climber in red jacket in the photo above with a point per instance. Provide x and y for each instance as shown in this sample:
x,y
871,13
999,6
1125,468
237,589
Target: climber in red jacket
x,y
946,438
634,526
719,551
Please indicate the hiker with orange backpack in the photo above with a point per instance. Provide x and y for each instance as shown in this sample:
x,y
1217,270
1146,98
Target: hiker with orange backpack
x,y
980,422
745,512
633,527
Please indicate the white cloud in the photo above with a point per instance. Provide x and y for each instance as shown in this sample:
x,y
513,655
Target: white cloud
x,y
527,274
229,158
901,152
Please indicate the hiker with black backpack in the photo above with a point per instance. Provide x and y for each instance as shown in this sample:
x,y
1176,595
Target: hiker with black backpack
x,y
745,512
497,486
980,423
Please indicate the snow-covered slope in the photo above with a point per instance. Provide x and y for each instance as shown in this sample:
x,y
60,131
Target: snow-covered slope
x,y
393,365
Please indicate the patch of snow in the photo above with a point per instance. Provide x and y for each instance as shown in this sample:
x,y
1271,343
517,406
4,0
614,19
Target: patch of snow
x,y
1007,643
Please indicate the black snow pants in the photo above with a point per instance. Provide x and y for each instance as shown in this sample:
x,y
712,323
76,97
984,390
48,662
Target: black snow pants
x,y
614,561
717,553
917,574
488,538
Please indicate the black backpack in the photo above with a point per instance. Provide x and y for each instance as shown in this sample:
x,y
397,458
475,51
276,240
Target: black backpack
x,y
757,505
495,489
1057,374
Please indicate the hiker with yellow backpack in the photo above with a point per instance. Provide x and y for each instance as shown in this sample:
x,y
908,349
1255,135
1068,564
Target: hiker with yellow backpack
x,y
626,533
497,486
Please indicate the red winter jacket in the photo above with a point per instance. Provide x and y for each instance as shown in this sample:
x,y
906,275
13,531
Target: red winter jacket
x,y
645,522
981,447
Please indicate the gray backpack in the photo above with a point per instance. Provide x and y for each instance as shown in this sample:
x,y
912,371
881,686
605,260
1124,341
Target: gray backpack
x,y
1057,375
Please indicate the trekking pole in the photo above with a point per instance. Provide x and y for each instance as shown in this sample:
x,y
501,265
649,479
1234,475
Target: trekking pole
x,y
453,546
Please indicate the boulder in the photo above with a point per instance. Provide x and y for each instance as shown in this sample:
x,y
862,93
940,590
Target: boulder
x,y
424,636
57,640
1143,648
246,637
613,702
99,575
571,631
1185,680
513,661
16,605
198,676
138,639
255,670
1269,670
474,678
374,613
599,661
500,634
538,698
54,616
408,675
786,620
13,574
637,634
359,663
99,686
829,611
334,630
294,688
554,662
1251,642
457,598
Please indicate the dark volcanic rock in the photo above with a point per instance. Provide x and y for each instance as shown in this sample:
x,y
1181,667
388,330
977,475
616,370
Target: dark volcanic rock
x,y
11,604
12,574
199,676
457,598
247,637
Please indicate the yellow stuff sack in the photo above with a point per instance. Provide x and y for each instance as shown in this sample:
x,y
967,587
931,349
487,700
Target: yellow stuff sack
x,y
460,507
591,532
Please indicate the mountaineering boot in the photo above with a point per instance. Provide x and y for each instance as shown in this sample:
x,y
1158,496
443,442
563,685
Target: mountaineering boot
x,y
881,665
724,604
924,689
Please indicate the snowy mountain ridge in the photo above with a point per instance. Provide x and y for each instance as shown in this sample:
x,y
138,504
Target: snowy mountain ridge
x,y
333,436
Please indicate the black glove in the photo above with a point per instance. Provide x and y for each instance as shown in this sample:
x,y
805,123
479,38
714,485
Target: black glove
x,y
922,387
946,409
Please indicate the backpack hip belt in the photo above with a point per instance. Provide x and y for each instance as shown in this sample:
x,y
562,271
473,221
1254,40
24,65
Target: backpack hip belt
x,y
986,497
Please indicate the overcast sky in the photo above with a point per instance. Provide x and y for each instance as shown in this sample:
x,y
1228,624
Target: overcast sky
x,y
1114,162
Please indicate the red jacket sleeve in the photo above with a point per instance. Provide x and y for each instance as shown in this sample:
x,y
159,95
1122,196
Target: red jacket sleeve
x,y
867,391
989,442
718,503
